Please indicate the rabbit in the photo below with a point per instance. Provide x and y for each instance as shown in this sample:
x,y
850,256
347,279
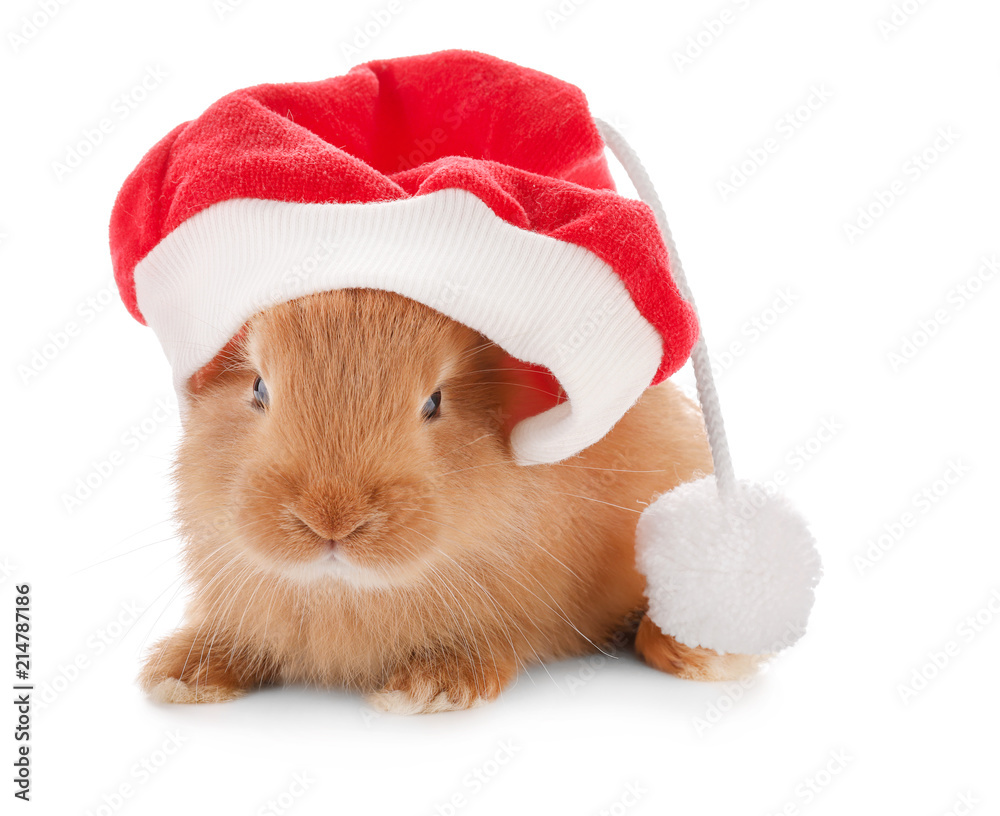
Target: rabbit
x,y
353,515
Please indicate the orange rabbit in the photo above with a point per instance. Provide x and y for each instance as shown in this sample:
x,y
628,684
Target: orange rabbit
x,y
354,517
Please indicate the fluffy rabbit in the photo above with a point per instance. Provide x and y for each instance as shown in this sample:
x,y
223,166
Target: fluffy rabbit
x,y
353,515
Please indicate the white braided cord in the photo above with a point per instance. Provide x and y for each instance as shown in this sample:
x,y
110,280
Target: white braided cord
x,y
708,395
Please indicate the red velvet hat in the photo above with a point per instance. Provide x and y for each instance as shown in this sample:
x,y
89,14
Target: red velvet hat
x,y
473,185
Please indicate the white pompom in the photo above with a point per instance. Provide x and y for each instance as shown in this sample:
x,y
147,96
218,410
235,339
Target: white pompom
x,y
730,576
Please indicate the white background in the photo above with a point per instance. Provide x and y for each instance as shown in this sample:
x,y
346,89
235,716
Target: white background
x,y
830,727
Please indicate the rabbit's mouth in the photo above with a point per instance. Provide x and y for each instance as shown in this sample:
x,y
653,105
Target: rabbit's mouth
x,y
370,557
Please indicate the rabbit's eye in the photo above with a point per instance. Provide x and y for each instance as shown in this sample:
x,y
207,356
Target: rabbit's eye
x,y
260,396
432,407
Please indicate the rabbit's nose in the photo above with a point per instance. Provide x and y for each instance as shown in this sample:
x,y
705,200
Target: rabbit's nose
x,y
333,526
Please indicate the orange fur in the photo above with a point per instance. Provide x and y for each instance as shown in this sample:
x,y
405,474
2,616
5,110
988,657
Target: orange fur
x,y
454,566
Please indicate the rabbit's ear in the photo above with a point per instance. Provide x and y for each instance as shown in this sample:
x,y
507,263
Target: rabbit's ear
x,y
230,360
525,389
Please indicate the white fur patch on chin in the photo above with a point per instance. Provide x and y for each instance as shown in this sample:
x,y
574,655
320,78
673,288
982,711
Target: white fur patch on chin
x,y
338,568
338,572
172,690
401,702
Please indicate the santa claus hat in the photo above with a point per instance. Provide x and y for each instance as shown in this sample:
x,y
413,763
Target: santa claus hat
x,y
459,180
475,186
